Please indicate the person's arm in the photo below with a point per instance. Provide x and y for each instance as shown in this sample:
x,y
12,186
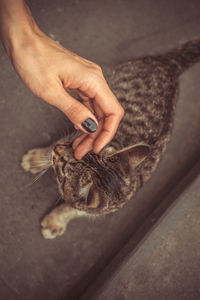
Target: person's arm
x,y
48,69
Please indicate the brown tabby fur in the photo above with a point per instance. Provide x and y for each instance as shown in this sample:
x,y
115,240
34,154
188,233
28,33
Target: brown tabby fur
x,y
100,184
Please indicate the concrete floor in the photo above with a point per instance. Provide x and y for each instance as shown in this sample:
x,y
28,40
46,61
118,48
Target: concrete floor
x,y
165,264
106,32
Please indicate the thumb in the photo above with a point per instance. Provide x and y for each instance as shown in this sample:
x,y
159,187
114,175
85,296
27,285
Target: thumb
x,y
78,113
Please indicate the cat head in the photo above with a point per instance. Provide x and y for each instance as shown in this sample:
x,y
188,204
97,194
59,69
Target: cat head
x,y
99,183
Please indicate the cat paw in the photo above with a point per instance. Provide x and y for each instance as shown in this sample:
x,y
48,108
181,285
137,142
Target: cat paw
x,y
52,226
34,162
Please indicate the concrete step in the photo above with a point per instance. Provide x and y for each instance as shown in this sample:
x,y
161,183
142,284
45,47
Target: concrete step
x,y
161,261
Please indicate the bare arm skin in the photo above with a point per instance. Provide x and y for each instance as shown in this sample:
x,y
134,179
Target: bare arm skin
x,y
48,69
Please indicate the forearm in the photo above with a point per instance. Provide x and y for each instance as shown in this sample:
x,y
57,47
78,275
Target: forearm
x,y
16,23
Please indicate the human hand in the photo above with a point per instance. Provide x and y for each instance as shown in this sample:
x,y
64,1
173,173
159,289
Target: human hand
x,y
48,69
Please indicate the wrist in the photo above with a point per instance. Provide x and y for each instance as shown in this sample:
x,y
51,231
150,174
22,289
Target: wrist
x,y
17,26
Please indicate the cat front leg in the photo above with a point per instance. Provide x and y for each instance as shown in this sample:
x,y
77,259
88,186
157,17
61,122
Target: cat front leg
x,y
37,160
55,223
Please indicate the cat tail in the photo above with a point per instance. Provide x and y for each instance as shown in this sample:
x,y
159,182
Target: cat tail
x,y
185,55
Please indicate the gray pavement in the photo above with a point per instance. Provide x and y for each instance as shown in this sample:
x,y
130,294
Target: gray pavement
x,y
165,264
106,32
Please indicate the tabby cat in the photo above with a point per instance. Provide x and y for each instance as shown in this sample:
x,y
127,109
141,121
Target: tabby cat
x,y
102,183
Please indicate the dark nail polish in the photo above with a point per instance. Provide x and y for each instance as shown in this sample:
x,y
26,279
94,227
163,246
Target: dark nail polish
x,y
89,125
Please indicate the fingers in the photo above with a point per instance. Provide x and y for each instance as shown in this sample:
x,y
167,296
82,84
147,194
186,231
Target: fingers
x,y
103,109
78,113
97,96
95,141
84,143
106,107
78,140
108,124
109,129
47,69
84,147
100,107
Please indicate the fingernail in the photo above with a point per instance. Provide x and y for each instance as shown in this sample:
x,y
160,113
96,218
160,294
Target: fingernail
x,y
89,125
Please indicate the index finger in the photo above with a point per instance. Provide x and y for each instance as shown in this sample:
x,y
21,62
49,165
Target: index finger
x,y
109,129
113,113
107,106
98,90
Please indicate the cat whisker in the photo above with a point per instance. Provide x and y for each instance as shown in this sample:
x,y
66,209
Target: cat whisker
x,y
44,158
41,163
58,200
36,178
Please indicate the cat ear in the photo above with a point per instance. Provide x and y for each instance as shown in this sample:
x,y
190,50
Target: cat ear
x,y
92,196
132,155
